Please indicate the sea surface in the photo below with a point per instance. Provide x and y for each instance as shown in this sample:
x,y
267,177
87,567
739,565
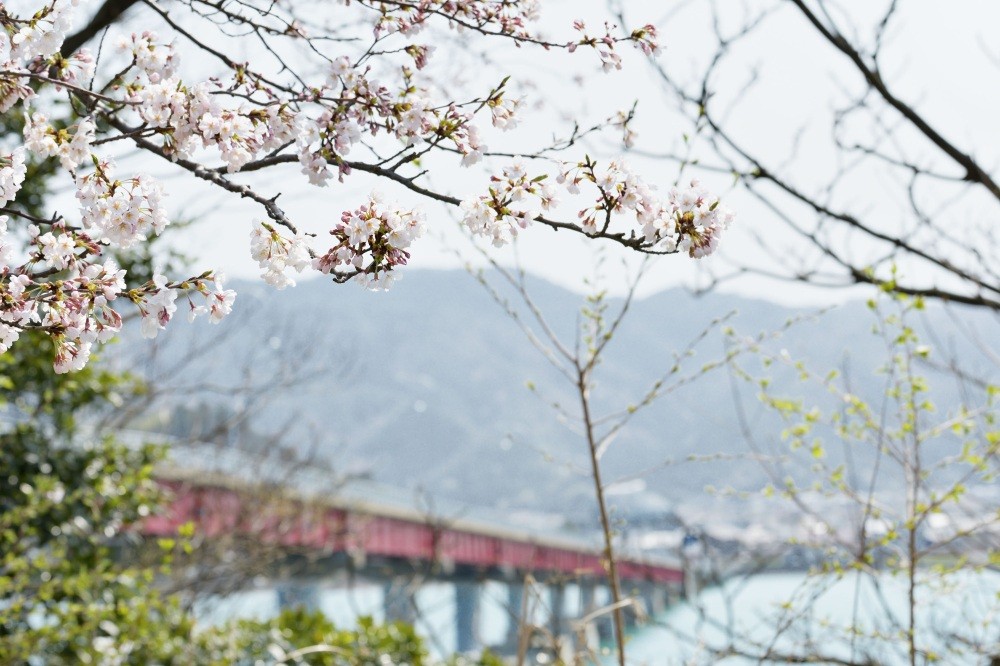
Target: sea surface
x,y
815,615
753,620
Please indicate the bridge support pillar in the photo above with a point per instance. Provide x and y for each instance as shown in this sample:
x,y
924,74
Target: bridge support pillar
x,y
644,594
690,581
657,599
297,595
605,624
397,602
557,593
466,615
587,601
630,613
515,604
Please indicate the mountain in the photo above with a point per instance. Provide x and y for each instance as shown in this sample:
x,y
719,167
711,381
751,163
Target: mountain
x,y
424,387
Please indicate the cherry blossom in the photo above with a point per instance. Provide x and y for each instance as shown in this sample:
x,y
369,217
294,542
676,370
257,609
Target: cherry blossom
x,y
158,307
121,212
71,148
689,220
12,174
371,241
504,112
276,254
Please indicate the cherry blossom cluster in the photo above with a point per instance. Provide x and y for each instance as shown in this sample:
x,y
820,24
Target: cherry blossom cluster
x,y
79,309
155,60
77,69
501,16
158,305
276,254
31,45
410,114
644,39
192,117
504,110
44,140
196,117
12,172
39,36
120,212
501,214
689,220
57,274
60,281
371,241
700,219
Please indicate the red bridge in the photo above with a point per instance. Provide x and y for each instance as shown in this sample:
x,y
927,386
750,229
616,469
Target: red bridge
x,y
219,506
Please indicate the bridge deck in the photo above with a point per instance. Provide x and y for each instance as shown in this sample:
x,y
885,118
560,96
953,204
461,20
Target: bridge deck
x,y
219,504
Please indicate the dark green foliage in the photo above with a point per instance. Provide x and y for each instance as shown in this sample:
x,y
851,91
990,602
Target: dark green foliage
x,y
487,658
66,501
369,644
42,403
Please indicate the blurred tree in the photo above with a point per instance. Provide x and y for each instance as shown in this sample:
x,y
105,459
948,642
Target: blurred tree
x,y
896,493
66,500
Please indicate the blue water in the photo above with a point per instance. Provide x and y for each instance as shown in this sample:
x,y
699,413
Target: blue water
x,y
964,608
815,614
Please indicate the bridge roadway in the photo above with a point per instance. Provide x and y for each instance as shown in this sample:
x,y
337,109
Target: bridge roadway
x,y
219,504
